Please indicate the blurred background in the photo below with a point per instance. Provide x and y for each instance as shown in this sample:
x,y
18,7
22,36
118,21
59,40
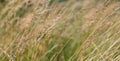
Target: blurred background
x,y
59,30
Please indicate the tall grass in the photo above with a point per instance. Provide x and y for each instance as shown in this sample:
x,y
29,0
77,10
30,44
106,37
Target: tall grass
x,y
59,30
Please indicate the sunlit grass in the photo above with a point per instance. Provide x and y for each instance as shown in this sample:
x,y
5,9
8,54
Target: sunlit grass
x,y
52,30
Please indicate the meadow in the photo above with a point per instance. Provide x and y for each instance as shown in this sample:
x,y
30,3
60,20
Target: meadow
x,y
59,30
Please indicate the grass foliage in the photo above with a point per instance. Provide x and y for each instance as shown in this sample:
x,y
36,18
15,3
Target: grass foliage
x,y
59,30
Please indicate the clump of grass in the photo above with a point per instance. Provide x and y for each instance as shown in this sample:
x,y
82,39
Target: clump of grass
x,y
59,30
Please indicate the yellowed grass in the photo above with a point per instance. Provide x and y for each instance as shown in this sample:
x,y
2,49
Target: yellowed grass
x,y
37,30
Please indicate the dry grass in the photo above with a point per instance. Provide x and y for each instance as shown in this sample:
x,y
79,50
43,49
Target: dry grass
x,y
52,30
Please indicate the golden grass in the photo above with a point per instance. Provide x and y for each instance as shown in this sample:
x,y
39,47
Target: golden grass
x,y
70,30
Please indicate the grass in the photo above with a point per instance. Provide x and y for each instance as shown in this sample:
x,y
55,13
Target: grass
x,y
59,30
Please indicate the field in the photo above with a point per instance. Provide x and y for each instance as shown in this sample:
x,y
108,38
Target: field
x,y
59,30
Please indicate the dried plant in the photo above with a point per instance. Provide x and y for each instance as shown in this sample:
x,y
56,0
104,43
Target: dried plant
x,y
59,30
